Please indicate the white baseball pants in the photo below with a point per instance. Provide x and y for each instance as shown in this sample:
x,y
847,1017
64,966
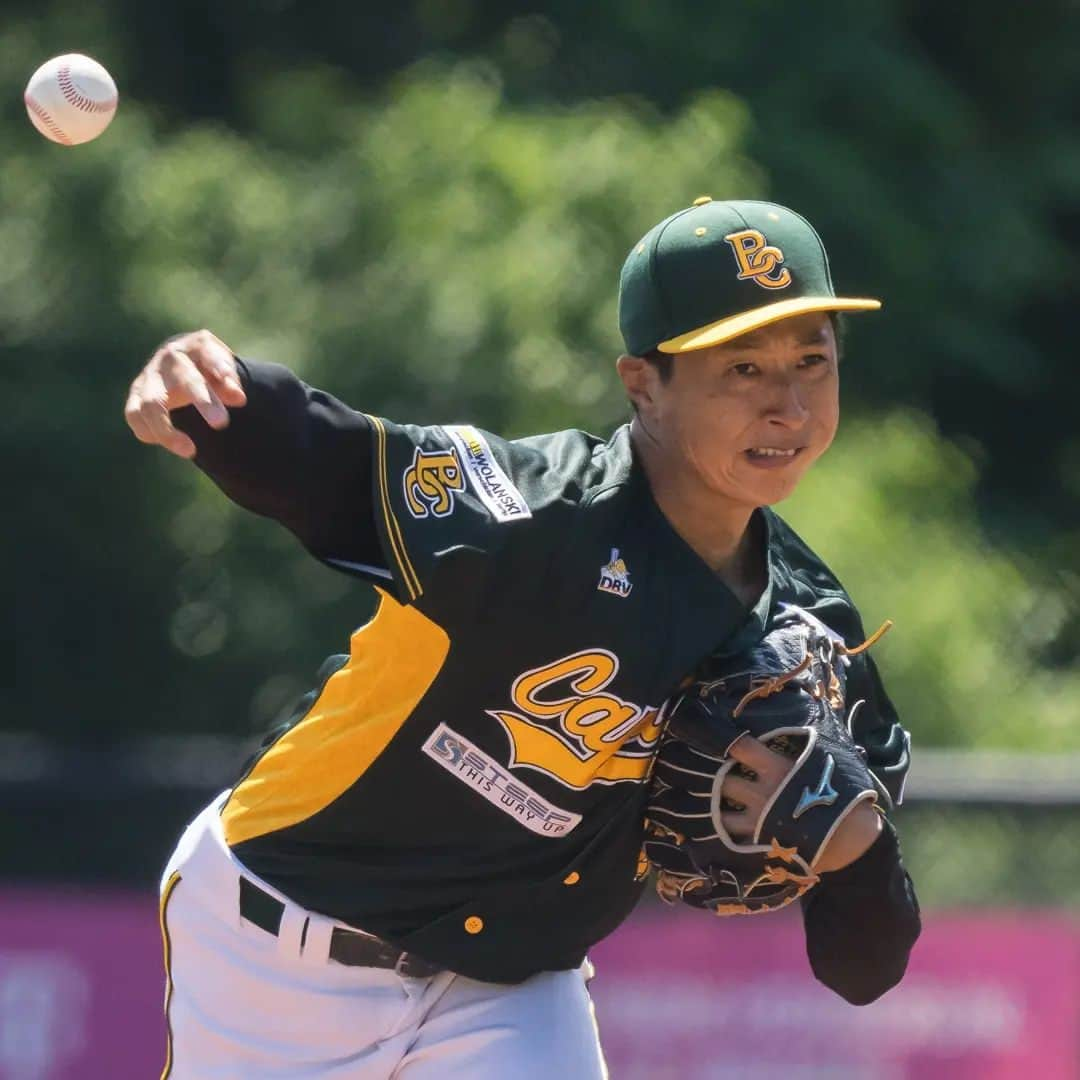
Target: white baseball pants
x,y
242,1004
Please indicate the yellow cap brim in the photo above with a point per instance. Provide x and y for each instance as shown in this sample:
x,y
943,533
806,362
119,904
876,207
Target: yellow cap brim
x,y
732,327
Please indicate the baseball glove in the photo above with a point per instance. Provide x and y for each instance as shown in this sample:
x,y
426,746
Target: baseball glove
x,y
789,692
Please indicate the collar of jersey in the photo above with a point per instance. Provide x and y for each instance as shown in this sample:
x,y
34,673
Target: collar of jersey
x,y
693,566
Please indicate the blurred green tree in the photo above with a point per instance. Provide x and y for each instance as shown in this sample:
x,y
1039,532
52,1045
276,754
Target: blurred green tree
x,y
438,255
447,248
891,507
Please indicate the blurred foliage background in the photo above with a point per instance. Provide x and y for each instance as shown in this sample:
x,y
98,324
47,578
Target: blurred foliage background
x,y
424,209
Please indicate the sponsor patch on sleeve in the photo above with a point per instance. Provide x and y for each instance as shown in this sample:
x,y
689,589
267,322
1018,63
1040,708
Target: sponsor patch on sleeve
x,y
493,782
485,476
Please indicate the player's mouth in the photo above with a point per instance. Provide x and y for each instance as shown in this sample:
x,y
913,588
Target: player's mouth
x,y
772,457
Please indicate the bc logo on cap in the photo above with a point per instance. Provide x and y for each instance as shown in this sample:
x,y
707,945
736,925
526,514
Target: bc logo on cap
x,y
758,261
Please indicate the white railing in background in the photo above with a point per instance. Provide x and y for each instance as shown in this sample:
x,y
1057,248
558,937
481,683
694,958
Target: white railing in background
x,y
211,762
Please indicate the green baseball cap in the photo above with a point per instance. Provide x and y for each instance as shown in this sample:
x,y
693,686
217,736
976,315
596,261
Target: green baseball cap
x,y
716,270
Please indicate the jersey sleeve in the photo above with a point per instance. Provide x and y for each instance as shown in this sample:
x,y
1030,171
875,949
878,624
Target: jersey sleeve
x,y
862,922
877,728
444,491
299,456
875,724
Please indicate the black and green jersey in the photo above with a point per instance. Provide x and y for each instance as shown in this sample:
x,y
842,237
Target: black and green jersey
x,y
469,780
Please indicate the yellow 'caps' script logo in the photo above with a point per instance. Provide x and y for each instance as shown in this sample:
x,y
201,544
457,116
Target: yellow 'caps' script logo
x,y
567,727
758,261
430,482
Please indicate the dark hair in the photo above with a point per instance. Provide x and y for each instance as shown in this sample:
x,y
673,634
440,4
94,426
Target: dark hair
x,y
662,361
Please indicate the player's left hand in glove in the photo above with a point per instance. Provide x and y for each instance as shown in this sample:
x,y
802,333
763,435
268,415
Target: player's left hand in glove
x,y
772,721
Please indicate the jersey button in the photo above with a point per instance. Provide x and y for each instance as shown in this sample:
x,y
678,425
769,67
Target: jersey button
x,y
572,878
474,924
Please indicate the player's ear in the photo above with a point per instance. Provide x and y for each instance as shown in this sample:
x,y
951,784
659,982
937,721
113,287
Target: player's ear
x,y
641,381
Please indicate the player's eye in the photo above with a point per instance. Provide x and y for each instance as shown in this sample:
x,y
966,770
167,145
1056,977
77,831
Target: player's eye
x,y
744,368
813,360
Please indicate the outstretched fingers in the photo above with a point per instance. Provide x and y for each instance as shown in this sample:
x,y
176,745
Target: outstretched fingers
x,y
147,414
215,362
196,369
186,383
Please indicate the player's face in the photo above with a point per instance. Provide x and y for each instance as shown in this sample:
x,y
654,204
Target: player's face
x,y
747,419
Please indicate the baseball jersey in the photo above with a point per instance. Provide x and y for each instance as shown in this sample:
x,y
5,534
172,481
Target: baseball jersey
x,y
468,781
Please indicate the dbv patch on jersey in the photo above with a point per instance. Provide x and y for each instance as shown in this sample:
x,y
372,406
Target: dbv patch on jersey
x,y
491,781
486,477
614,576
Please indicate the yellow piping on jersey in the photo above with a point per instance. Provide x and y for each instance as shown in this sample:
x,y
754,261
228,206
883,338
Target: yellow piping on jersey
x,y
166,942
393,660
393,530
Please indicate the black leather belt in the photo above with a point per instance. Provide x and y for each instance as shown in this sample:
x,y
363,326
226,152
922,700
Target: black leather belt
x,y
348,947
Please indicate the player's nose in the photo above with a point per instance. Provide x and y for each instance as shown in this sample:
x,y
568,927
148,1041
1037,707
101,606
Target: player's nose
x,y
786,404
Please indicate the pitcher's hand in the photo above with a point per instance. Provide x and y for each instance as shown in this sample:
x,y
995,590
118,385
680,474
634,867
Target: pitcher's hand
x,y
768,769
189,369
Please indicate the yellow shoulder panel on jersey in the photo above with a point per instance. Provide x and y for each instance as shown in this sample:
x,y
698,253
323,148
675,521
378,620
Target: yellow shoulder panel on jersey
x,y
393,660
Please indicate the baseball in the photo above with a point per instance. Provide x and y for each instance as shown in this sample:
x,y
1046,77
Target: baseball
x,y
71,99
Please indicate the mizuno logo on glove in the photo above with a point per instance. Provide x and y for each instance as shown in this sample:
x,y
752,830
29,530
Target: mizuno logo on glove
x,y
823,795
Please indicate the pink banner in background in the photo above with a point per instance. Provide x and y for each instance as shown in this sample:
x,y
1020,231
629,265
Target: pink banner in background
x,y
81,987
678,995
683,994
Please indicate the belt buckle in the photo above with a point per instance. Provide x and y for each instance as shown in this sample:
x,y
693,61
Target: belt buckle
x,y
400,963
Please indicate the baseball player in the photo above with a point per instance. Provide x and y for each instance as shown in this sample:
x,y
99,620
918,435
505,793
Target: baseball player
x,y
406,879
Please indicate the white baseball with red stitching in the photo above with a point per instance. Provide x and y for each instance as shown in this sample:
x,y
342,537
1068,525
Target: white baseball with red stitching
x,y
71,99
